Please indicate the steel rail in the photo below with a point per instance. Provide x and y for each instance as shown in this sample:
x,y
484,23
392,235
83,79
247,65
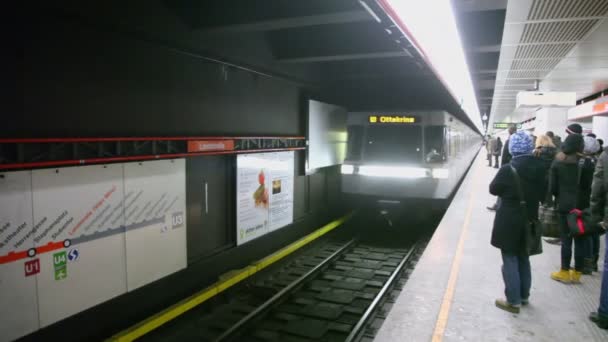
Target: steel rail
x,y
277,298
359,327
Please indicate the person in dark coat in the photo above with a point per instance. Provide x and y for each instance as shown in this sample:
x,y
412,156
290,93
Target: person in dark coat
x,y
506,156
510,221
569,193
599,210
593,241
496,151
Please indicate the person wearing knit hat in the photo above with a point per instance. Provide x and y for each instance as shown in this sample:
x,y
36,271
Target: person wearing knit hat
x,y
591,146
574,129
571,186
510,220
574,143
520,143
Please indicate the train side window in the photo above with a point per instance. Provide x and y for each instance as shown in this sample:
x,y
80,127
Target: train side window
x,y
435,144
355,142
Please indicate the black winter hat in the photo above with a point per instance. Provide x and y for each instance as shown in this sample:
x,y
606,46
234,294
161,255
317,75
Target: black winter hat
x,y
574,143
574,129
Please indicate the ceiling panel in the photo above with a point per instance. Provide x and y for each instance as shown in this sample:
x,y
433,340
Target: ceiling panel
x,y
563,44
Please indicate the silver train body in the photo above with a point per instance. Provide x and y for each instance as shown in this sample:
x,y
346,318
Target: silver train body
x,y
393,157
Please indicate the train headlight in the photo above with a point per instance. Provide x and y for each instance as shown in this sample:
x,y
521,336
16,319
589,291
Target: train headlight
x,y
347,169
393,171
441,173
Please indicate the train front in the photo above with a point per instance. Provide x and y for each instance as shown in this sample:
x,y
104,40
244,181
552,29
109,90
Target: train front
x,y
406,159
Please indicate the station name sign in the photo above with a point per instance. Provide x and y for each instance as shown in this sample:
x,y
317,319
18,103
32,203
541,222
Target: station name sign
x,y
210,145
393,119
505,125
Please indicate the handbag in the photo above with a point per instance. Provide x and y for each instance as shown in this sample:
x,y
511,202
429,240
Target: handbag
x,y
532,230
580,222
547,213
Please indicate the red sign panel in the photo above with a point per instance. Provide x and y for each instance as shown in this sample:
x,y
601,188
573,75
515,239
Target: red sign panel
x,y
210,145
32,267
600,108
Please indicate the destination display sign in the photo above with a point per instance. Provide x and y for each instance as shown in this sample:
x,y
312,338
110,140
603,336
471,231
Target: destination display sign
x,y
505,125
393,119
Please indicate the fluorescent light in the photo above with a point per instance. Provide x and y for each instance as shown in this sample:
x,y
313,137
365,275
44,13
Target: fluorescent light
x,y
393,171
433,26
441,173
347,169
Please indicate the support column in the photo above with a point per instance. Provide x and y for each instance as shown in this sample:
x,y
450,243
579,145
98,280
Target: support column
x,y
551,119
600,127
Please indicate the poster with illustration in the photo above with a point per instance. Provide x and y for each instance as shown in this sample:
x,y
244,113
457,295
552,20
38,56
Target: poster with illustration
x,y
264,193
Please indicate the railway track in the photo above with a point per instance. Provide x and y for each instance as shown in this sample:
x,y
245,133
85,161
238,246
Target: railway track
x,y
331,293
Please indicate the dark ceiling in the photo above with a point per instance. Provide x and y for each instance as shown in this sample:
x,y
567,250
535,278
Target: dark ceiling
x,y
336,50
481,23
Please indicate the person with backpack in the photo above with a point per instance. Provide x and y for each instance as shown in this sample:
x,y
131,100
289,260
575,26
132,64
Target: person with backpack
x,y
512,217
593,241
599,210
571,183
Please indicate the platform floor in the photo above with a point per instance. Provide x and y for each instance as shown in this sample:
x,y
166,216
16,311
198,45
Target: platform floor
x,y
450,294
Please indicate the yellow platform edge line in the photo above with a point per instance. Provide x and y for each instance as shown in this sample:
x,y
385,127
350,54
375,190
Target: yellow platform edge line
x,y
228,280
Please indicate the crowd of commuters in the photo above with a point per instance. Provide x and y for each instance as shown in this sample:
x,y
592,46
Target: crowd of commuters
x,y
567,176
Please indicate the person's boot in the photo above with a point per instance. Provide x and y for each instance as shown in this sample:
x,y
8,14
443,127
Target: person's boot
x,y
587,266
600,320
562,276
575,276
594,263
503,304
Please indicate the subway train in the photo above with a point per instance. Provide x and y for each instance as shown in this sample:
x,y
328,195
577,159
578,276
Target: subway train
x,y
406,159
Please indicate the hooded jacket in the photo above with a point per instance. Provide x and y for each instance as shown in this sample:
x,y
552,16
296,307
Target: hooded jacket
x,y
599,189
509,222
569,191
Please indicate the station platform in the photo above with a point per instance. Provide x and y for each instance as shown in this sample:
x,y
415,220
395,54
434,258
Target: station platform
x,y
450,294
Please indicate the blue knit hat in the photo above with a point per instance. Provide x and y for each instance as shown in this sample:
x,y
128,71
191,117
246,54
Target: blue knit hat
x,y
520,143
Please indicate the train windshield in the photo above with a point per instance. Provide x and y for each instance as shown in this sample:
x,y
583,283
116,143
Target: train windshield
x,y
394,144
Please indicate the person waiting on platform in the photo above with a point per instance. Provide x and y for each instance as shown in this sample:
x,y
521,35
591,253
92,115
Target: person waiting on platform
x,y
496,151
490,146
506,158
510,221
593,241
599,210
544,148
570,184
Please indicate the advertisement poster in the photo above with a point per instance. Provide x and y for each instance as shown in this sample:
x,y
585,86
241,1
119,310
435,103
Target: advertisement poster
x,y
264,193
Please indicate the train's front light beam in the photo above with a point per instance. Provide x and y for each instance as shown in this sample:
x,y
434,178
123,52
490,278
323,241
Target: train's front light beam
x,y
393,171
347,169
441,173
407,172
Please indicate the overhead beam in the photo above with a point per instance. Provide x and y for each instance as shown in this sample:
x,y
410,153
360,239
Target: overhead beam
x,y
484,48
485,71
294,22
344,57
485,84
479,5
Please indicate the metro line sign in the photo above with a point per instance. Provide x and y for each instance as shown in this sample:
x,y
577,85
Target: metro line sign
x,y
505,125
